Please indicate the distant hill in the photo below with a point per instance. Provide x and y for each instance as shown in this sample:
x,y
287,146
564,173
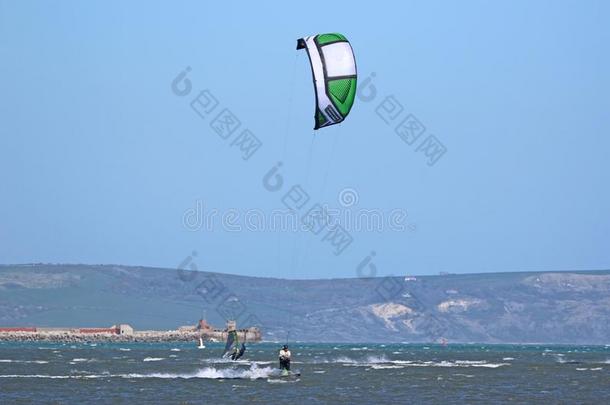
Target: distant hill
x,y
549,307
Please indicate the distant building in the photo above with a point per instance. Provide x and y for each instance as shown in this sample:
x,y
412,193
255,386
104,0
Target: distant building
x,y
18,329
203,325
124,329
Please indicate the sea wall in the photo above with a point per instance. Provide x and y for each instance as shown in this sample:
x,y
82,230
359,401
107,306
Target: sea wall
x,y
247,335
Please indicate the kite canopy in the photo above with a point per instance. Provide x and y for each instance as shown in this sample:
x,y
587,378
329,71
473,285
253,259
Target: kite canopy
x,y
334,74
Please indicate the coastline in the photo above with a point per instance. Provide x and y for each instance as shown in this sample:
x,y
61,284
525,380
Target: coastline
x,y
137,336
63,337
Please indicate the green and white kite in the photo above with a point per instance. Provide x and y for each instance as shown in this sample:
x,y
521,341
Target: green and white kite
x,y
334,74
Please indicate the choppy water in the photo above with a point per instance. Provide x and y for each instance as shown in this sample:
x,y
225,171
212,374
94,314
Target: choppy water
x,y
351,374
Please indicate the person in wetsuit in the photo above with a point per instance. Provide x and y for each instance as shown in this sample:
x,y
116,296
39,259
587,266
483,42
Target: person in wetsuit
x,y
285,358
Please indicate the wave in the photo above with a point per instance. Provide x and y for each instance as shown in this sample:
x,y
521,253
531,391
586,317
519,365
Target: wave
x,y
590,369
24,361
154,359
36,376
381,362
459,363
385,366
365,361
253,373
60,377
224,360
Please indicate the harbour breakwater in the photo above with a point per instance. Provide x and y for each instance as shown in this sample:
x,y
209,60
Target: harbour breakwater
x,y
140,336
125,333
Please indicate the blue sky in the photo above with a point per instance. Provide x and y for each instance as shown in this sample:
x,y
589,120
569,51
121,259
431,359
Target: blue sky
x,y
100,161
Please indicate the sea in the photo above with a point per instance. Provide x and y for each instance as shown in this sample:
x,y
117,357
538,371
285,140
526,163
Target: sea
x,y
180,373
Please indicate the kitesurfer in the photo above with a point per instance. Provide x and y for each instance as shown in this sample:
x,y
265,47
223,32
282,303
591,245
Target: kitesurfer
x,y
285,358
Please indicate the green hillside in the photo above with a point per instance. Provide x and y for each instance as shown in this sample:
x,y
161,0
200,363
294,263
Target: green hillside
x,y
560,307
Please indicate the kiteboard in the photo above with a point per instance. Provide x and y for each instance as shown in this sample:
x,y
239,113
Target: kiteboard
x,y
289,374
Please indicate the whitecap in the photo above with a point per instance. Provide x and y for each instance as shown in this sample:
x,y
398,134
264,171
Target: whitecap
x,y
253,373
34,376
366,361
491,365
154,359
61,377
385,366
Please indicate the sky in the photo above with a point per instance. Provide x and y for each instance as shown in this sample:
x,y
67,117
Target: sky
x,y
103,159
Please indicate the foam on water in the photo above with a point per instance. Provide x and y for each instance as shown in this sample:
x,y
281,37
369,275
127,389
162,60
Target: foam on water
x,y
154,359
224,360
253,373
366,361
381,362
385,366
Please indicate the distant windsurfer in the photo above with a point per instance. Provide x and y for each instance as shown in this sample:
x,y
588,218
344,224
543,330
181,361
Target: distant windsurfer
x,y
285,358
